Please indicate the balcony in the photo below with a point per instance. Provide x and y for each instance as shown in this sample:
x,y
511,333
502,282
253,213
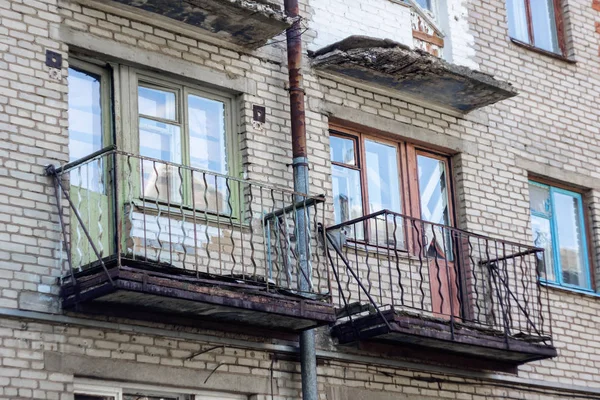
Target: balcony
x,y
247,23
436,293
148,239
415,74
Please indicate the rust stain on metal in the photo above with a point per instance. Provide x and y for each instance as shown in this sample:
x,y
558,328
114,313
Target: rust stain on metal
x,y
294,51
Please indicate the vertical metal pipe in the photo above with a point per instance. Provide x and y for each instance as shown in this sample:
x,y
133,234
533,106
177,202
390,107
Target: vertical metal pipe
x,y
300,164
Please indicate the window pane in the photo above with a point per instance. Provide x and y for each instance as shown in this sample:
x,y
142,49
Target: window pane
x,y
382,177
156,103
85,114
425,4
86,130
208,149
570,239
517,20
433,194
347,194
542,237
90,397
539,199
342,150
544,25
432,190
161,141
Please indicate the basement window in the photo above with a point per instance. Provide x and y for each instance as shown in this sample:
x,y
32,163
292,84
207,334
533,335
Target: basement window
x,y
92,390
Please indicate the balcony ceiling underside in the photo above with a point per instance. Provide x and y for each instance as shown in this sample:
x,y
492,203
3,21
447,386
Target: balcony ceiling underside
x,y
147,289
436,336
414,73
248,23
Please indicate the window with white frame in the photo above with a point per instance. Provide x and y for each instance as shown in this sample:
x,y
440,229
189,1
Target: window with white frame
x,y
558,224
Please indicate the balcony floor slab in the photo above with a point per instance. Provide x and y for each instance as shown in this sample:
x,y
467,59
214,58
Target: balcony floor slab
x,y
437,335
413,73
150,289
247,23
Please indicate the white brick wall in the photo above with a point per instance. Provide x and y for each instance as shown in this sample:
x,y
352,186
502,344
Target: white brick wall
x,y
334,20
459,41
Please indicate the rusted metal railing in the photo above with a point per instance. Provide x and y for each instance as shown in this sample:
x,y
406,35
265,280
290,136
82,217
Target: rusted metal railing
x,y
129,207
388,260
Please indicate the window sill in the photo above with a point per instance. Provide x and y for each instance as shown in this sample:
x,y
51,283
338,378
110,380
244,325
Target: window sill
x,y
542,51
572,290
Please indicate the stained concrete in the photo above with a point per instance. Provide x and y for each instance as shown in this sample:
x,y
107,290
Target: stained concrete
x,y
416,73
248,23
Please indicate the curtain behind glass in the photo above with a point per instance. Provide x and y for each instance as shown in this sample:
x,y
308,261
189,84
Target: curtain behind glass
x,y
544,25
517,20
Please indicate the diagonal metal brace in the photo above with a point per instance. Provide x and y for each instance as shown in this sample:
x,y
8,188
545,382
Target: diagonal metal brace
x,y
51,170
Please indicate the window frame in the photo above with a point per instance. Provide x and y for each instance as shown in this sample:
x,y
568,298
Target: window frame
x,y
446,160
407,167
92,387
184,88
132,78
585,234
106,94
558,25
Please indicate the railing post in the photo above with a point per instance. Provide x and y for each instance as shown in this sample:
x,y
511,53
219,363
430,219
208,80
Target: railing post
x,y
117,205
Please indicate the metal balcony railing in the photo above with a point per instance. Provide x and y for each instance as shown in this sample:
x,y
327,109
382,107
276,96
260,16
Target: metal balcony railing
x,y
391,261
127,207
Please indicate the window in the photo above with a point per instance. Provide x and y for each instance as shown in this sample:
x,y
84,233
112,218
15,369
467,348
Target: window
x,y
90,130
170,123
89,117
87,389
190,126
558,225
425,4
372,173
536,22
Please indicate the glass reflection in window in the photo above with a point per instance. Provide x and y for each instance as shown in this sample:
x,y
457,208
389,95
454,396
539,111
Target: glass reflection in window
x,y
86,127
208,151
342,150
433,194
558,227
161,141
157,103
570,239
383,182
382,176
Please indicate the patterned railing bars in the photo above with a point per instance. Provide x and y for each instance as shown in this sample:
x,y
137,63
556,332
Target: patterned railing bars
x,y
394,261
132,207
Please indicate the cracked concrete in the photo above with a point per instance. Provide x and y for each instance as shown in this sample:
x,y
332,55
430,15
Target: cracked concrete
x,y
248,23
414,72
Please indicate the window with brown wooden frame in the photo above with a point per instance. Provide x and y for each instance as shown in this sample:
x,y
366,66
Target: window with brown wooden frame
x,y
537,23
371,173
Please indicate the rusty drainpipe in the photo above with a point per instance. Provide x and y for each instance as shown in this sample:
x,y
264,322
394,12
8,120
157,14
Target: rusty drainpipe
x,y
308,359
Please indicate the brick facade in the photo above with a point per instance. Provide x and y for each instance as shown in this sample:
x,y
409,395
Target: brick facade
x,y
548,130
